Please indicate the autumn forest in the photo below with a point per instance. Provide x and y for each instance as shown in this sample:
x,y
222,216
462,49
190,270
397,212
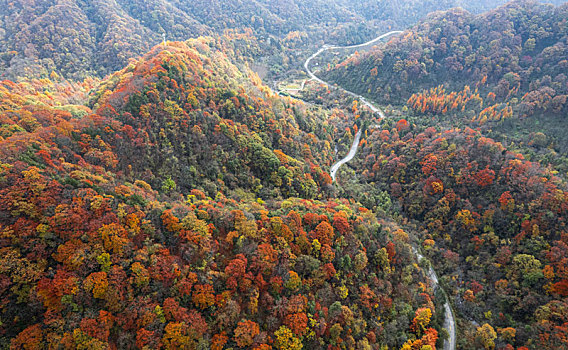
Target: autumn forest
x,y
181,174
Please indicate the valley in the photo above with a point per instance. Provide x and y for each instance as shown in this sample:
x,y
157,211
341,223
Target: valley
x,y
449,319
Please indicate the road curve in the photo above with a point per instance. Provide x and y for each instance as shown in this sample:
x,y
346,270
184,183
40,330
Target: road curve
x,y
355,145
332,47
349,156
449,319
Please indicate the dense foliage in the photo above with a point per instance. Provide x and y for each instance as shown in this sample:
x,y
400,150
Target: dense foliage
x,y
116,230
519,48
191,116
79,38
494,223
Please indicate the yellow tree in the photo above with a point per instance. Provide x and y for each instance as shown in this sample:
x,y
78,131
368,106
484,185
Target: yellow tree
x,y
285,339
421,320
486,336
97,282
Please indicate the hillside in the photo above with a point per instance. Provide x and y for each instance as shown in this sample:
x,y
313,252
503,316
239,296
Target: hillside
x,y
189,114
81,38
493,224
519,46
503,71
122,227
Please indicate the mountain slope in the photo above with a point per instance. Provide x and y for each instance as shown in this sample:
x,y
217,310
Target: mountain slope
x,y
492,222
95,256
188,112
80,38
515,47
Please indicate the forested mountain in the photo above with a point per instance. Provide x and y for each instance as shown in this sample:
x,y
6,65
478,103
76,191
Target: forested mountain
x,y
191,115
116,230
507,66
519,46
79,38
493,223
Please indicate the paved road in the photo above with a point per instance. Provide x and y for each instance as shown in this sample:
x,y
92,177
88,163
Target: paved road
x,y
450,325
364,101
333,47
449,319
349,156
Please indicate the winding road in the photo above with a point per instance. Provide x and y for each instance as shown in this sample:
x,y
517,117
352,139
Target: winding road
x,y
364,101
349,156
333,47
449,319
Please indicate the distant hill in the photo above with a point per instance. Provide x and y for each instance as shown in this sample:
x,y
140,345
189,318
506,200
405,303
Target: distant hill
x,y
521,45
78,38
